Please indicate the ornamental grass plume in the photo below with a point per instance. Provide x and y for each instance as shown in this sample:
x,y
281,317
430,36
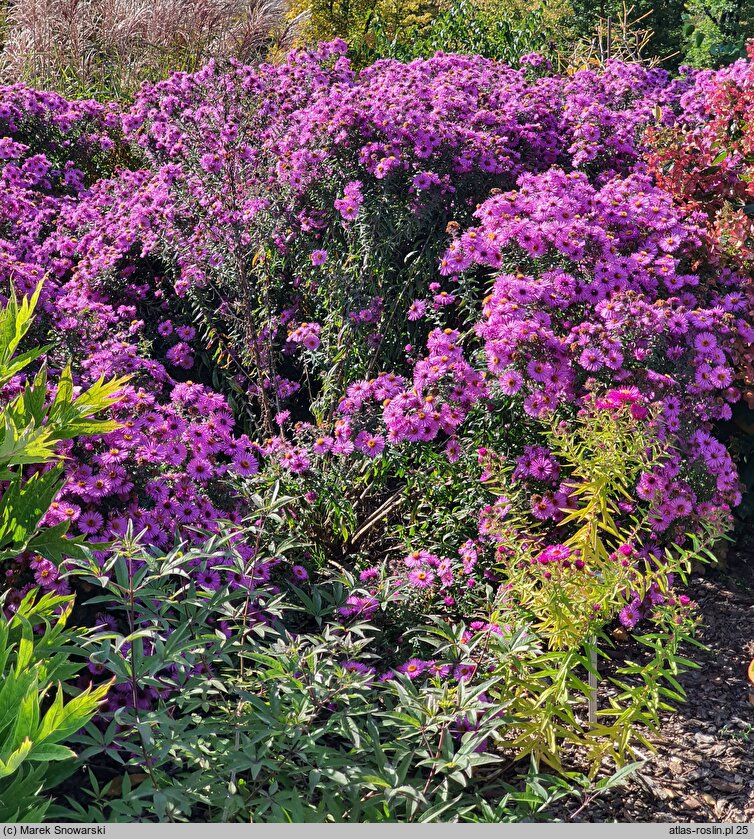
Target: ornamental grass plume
x,y
110,46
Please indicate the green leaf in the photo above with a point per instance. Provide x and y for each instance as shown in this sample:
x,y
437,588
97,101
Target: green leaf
x,y
619,777
51,752
11,764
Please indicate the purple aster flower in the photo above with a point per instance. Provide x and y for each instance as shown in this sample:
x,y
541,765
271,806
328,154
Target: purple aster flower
x,y
358,667
629,616
245,464
208,579
199,469
438,669
90,522
511,382
464,671
45,574
413,668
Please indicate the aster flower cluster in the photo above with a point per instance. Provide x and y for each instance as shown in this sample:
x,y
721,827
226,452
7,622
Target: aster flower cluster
x,y
289,206
295,160
166,468
620,308
602,296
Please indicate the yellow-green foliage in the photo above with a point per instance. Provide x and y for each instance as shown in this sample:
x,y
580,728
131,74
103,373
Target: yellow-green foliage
x,y
556,15
407,20
31,426
602,454
35,718
350,19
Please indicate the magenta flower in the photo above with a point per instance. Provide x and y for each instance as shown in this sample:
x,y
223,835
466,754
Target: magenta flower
x,y
369,444
421,577
199,469
464,671
245,464
417,310
413,668
45,574
90,522
453,450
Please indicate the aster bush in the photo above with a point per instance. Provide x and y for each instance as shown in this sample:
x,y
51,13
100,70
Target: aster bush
x,y
429,349
705,163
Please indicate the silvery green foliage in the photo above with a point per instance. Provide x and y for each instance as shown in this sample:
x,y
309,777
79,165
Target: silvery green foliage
x,y
274,719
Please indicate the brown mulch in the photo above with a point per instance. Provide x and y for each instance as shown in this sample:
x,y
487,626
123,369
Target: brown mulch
x,y
703,769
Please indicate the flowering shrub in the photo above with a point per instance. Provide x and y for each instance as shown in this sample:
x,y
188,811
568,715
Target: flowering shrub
x,y
705,163
545,351
446,306
129,473
308,160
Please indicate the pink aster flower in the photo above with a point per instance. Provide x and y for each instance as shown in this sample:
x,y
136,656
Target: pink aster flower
x,y
322,445
369,444
453,450
421,577
591,359
511,382
417,310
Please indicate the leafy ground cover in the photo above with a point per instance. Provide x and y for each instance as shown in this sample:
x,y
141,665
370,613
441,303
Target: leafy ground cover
x,y
430,375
